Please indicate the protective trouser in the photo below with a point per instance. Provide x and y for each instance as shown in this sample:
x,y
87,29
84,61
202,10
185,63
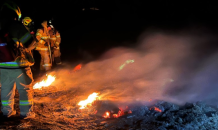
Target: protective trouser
x,y
45,63
57,55
21,79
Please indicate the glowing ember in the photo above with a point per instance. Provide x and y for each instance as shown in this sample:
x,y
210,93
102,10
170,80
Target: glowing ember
x,y
44,83
156,109
78,67
88,101
106,115
119,114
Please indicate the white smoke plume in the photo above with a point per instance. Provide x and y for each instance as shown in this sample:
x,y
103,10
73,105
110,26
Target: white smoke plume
x,y
177,67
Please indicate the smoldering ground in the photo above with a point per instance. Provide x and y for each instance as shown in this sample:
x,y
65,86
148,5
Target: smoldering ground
x,y
178,67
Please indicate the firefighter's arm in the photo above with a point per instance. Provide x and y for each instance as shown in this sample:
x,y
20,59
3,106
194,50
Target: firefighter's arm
x,y
39,37
32,46
58,40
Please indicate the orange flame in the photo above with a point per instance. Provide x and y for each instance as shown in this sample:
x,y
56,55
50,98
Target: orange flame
x,y
106,115
45,83
115,116
91,98
120,113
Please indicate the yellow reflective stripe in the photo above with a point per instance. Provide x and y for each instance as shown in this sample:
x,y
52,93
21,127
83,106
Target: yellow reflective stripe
x,y
57,43
38,34
44,37
53,38
41,41
47,65
43,49
58,36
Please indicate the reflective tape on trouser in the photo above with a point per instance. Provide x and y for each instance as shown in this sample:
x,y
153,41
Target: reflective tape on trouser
x,y
26,102
47,65
7,102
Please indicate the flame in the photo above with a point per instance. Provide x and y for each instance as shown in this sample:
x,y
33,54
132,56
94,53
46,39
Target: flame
x,y
44,83
115,116
106,115
91,98
156,109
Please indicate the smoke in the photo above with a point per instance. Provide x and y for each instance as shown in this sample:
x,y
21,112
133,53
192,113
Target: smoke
x,y
177,67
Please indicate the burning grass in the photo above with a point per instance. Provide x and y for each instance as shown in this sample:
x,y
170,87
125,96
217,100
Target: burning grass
x,y
45,82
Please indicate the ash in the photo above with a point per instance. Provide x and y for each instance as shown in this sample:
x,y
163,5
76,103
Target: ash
x,y
191,116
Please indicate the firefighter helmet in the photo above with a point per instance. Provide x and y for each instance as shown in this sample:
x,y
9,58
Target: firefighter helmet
x,y
27,21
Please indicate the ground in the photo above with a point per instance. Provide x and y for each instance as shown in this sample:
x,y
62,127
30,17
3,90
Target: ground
x,y
56,114
56,106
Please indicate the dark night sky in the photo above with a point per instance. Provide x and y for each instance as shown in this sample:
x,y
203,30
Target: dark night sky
x,y
154,11
116,21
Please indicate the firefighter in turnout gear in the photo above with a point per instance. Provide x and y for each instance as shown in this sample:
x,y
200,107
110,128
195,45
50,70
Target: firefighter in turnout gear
x,y
28,24
55,40
15,69
43,46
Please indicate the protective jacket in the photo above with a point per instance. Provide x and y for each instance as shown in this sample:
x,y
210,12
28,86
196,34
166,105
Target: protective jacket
x,y
13,47
55,38
42,38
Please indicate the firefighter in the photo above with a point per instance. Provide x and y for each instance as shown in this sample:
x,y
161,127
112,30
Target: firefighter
x,y
43,47
15,62
55,40
28,24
